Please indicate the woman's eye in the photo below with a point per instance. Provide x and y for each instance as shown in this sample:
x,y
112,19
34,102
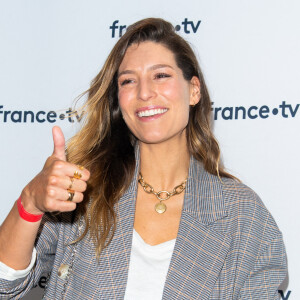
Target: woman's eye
x,y
162,75
125,81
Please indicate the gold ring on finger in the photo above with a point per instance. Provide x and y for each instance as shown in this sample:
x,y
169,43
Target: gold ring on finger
x,y
71,184
71,195
77,175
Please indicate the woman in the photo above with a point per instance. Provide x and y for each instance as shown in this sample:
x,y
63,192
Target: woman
x,y
160,218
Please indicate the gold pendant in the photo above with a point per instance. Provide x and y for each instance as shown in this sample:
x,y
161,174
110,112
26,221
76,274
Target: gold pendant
x,y
160,207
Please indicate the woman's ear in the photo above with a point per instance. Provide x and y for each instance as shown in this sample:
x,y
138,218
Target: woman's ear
x,y
195,91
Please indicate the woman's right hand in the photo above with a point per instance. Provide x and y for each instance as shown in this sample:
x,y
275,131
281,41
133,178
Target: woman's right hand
x,y
48,191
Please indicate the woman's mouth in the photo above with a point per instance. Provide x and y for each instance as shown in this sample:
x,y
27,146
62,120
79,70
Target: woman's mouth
x,y
151,112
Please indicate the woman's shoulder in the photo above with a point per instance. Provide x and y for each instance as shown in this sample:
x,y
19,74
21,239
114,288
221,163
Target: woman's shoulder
x,y
248,210
237,191
217,197
238,195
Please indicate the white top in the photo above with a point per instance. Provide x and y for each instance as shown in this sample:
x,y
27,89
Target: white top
x,y
148,269
11,274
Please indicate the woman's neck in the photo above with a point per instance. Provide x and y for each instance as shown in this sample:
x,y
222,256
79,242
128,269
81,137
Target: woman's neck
x,y
164,165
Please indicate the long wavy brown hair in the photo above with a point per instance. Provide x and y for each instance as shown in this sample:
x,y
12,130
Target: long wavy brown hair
x,y
105,145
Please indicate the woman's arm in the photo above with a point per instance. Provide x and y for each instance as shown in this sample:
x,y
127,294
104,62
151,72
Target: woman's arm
x,y
268,273
17,238
47,192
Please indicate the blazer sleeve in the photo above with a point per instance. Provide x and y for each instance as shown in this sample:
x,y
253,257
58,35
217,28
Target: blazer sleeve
x,y
258,256
267,274
46,243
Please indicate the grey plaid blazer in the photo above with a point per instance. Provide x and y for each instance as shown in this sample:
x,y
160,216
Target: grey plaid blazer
x,y
228,247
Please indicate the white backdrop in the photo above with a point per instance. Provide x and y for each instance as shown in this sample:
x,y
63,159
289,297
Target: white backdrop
x,y
249,53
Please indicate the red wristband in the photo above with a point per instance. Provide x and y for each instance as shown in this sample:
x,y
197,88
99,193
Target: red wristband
x,y
26,215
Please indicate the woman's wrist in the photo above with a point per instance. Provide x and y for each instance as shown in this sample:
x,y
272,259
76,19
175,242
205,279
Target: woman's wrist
x,y
25,215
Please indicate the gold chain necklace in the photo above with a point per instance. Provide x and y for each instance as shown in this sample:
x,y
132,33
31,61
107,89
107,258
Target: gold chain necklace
x,y
161,207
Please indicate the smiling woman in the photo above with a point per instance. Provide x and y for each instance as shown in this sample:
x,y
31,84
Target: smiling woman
x,y
159,217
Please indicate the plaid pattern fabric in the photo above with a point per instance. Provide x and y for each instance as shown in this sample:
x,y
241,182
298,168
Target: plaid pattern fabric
x,y
228,247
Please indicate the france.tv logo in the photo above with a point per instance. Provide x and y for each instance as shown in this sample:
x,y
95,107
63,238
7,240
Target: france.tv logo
x,y
187,26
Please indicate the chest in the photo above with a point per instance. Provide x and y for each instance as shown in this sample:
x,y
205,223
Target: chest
x,y
154,227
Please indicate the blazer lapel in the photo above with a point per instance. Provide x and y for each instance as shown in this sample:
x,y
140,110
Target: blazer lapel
x,y
200,250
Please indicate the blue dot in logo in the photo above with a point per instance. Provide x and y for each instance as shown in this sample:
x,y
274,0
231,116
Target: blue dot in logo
x,y
177,27
275,111
62,116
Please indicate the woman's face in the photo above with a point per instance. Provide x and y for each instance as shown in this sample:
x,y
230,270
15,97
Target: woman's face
x,y
153,95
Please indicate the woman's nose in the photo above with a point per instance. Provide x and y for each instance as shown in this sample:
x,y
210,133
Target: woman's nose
x,y
146,90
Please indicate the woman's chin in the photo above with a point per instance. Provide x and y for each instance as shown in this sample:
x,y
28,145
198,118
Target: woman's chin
x,y
158,139
152,139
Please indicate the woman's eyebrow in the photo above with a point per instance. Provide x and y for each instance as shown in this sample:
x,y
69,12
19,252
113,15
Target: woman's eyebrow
x,y
125,72
159,66
152,68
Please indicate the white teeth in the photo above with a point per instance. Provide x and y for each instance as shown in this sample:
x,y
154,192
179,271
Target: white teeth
x,y
152,112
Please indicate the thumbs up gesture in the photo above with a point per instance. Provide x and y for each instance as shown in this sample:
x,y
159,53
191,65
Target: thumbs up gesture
x,y
58,182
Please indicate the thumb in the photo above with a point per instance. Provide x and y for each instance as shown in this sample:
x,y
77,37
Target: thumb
x,y
59,143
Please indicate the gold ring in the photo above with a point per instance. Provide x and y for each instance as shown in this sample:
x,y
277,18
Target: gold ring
x,y
71,184
77,175
71,195
80,167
